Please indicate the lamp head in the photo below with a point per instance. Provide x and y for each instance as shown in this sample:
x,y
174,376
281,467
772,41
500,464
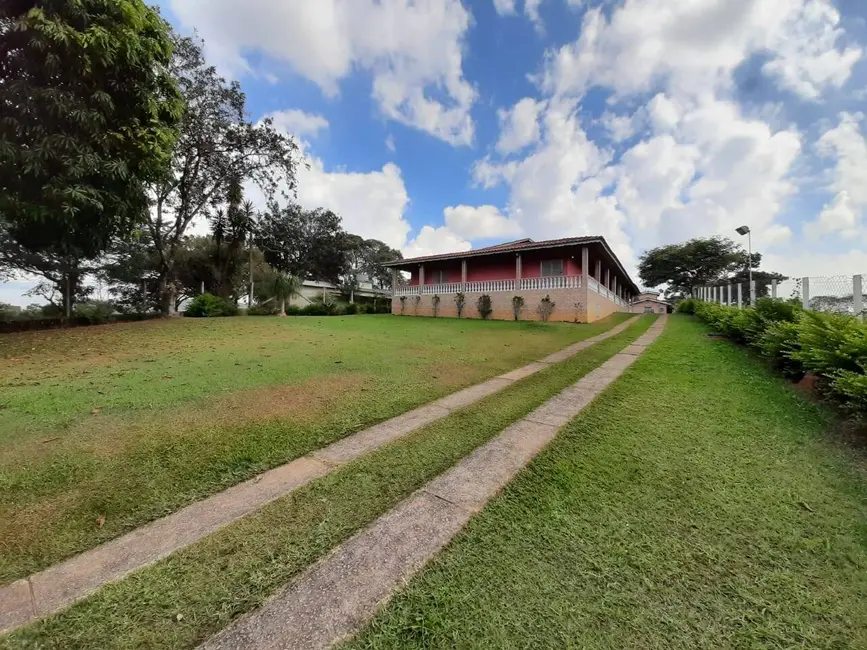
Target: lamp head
x,y
743,230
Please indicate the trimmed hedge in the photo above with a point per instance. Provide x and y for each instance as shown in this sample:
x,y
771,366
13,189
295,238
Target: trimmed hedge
x,y
832,347
210,306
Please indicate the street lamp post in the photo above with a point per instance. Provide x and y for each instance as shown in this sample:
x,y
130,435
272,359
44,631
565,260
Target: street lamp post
x,y
745,230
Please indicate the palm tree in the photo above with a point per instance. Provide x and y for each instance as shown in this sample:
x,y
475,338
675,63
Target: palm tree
x,y
285,286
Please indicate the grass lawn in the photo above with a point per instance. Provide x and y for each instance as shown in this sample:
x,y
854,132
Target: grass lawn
x,y
237,568
697,504
132,421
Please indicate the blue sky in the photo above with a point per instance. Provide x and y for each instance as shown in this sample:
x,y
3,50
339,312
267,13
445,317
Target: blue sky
x,y
438,125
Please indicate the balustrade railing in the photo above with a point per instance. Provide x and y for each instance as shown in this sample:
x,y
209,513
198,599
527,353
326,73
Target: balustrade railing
x,y
493,286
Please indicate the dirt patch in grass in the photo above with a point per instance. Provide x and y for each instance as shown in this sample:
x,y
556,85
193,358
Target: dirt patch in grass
x,y
108,435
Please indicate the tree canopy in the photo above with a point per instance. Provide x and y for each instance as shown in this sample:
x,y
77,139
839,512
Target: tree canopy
x,y
694,263
89,118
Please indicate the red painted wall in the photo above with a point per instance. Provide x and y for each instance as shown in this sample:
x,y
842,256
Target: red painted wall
x,y
500,267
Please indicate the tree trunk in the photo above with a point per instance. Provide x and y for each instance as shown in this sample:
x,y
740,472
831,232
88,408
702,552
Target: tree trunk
x,y
283,306
168,295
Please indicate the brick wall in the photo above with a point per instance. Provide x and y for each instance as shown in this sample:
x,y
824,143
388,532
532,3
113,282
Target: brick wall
x,y
570,305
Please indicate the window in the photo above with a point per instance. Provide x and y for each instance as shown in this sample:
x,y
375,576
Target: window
x,y
648,310
552,267
439,277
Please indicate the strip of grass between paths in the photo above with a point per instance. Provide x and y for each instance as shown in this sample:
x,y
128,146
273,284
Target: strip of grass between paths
x,y
182,600
696,504
49,506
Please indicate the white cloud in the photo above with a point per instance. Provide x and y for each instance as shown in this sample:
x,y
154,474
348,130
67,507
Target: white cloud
x,y
620,127
531,10
519,126
505,7
482,222
695,46
389,144
847,147
434,241
298,123
372,204
412,50
839,216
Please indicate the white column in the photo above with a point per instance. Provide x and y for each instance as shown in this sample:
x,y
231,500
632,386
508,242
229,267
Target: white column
x,y
585,264
463,272
740,295
420,278
857,296
599,271
518,268
753,293
805,292
729,295
608,279
393,281
773,288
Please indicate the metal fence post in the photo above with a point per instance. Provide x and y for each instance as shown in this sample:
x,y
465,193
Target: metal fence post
x,y
740,295
753,293
857,297
805,292
773,288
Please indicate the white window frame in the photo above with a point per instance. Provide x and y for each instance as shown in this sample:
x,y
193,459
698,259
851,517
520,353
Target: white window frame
x,y
551,262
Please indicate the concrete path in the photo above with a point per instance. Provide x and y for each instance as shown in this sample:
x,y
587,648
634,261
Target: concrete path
x,y
334,598
61,585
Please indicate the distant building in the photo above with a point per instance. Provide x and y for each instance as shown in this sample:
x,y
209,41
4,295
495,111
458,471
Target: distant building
x,y
649,303
581,275
312,289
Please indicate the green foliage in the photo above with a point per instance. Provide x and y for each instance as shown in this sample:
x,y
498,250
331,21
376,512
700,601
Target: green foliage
x,y
545,308
402,305
90,111
209,306
416,301
435,303
460,302
283,288
268,309
832,347
95,311
483,304
517,306
686,306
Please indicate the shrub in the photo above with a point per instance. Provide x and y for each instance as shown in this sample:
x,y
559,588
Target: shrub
x,y
268,309
435,302
94,312
777,344
315,309
546,308
209,306
483,304
352,309
460,301
402,305
517,306
686,306
415,303
831,346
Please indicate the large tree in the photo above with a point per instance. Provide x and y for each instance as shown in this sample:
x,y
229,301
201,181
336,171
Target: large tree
x,y
217,147
89,114
366,257
694,263
309,244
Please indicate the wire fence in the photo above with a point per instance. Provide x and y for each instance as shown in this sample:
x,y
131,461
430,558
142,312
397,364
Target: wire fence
x,y
839,294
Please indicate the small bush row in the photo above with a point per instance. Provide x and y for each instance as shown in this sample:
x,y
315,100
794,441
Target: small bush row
x,y
830,346
323,309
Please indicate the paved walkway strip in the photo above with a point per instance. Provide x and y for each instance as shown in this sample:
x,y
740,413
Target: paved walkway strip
x,y
334,598
63,584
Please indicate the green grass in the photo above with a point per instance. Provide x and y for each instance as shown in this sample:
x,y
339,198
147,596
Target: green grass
x,y
234,570
698,503
131,422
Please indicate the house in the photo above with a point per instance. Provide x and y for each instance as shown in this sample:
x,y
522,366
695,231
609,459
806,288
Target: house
x,y
649,303
581,276
311,290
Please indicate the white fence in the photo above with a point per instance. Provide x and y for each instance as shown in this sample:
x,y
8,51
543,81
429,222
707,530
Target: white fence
x,y
838,294
493,286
